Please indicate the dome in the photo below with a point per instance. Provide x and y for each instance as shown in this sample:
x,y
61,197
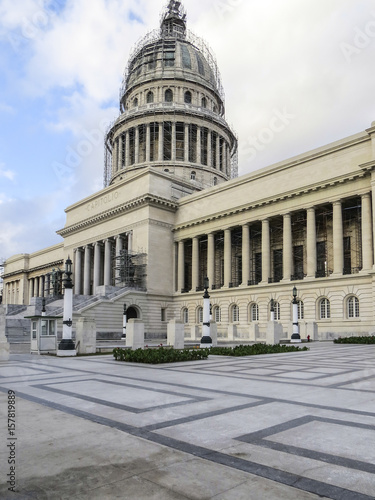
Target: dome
x,y
172,53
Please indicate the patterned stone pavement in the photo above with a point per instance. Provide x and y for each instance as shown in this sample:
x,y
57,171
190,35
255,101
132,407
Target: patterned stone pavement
x,y
288,426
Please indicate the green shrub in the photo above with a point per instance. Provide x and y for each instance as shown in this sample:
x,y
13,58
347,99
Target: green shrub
x,y
254,350
160,355
355,340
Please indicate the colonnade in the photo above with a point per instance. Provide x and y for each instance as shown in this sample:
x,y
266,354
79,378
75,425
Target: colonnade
x,y
171,141
93,263
224,263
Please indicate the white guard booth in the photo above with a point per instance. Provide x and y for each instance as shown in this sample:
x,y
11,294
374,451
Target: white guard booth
x,y
43,334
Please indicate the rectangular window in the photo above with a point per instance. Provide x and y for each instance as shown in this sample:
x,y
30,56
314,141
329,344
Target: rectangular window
x,y
321,257
298,262
167,141
186,59
180,141
163,315
169,58
347,256
277,265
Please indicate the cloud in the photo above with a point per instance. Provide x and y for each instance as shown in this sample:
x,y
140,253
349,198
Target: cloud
x,y
7,174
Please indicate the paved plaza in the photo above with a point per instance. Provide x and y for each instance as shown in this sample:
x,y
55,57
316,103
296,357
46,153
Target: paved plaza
x,y
286,426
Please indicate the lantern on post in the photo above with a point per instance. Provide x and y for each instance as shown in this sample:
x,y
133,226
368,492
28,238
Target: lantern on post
x,y
296,338
206,340
66,346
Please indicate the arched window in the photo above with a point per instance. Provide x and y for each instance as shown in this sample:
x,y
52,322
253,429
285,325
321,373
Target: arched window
x,y
168,95
185,315
324,309
204,102
215,108
217,314
276,306
193,176
301,310
150,97
254,312
135,102
200,315
353,307
235,316
188,97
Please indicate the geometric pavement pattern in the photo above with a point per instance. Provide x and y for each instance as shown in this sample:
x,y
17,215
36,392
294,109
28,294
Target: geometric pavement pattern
x,y
304,419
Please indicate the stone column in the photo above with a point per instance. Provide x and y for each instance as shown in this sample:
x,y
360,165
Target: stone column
x,y
115,157
97,265
119,249
195,264
127,149
225,157
107,262
120,162
209,148
161,142
245,254
78,272
148,143
266,251
41,285
186,155
367,248
211,258
227,257
287,248
130,241
136,145
32,288
338,239
218,152
181,266
199,145
173,141
87,271
311,243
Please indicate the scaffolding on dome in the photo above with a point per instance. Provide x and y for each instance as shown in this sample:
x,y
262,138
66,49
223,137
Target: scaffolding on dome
x,y
150,54
131,270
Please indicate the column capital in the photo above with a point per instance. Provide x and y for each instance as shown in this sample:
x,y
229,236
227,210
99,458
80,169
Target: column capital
x,y
311,209
366,195
337,202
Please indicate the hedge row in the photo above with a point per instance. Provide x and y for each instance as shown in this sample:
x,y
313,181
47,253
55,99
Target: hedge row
x,y
254,350
160,355
355,340
163,355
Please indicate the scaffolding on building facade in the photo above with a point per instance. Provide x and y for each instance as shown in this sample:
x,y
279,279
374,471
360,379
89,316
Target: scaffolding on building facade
x,y
130,270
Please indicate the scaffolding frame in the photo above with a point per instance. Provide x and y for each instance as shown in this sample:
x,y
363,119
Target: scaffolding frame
x,y
130,270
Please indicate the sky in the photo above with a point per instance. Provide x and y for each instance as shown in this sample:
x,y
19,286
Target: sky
x,y
298,74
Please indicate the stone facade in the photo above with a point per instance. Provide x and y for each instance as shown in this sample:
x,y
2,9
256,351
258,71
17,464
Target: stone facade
x,y
173,213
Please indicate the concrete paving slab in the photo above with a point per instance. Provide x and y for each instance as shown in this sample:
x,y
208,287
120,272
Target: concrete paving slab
x,y
293,426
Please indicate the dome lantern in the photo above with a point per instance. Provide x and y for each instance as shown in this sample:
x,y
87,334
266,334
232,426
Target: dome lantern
x,y
173,23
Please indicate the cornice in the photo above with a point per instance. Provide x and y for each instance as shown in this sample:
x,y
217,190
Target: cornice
x,y
34,269
129,206
272,200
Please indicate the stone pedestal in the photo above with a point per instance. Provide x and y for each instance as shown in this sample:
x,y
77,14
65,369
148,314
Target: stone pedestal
x,y
253,331
213,333
232,331
312,330
4,344
176,334
86,336
274,333
135,334
194,332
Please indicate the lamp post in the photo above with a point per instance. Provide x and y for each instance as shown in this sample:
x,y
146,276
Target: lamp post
x,y
296,338
66,346
206,340
124,320
272,316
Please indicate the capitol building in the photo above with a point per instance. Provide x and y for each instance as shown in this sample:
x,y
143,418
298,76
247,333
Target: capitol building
x,y
174,211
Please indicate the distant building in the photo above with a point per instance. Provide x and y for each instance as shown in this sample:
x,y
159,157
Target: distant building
x,y
173,212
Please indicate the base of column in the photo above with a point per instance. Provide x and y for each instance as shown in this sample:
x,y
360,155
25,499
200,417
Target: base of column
x,y
206,342
66,348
